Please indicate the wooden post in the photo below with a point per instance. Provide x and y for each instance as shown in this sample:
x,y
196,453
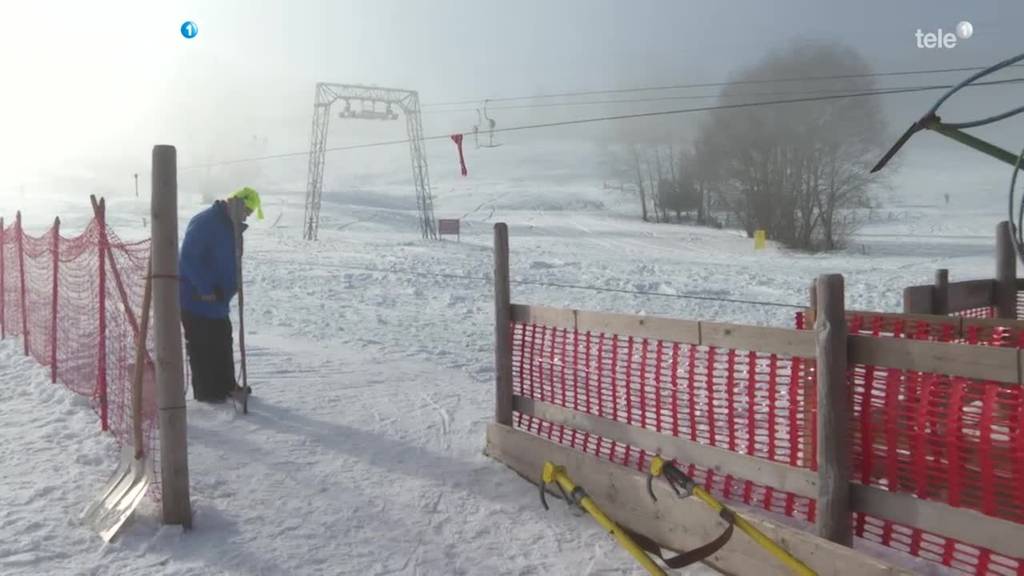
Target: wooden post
x,y
100,212
56,298
834,521
167,329
940,295
502,328
1006,273
21,275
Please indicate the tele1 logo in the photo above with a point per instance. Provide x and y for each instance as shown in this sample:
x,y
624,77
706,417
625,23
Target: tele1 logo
x,y
940,39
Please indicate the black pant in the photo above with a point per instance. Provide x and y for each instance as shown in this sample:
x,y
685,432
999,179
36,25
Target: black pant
x,y
208,342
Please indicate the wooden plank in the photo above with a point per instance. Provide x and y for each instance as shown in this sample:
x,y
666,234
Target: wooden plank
x,y
502,328
784,341
834,439
980,362
676,524
918,299
544,315
758,338
968,526
970,294
781,476
664,329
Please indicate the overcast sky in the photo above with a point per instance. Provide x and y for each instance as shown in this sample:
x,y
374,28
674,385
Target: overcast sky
x,y
88,87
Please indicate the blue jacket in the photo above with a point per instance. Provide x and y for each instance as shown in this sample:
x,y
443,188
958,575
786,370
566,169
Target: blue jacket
x,y
207,263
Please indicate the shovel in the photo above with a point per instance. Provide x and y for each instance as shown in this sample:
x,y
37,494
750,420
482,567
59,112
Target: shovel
x,y
125,489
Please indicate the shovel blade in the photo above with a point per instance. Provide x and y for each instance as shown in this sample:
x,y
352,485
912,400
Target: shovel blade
x,y
120,496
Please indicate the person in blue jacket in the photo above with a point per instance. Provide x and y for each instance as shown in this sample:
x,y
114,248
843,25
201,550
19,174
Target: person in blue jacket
x,y
207,271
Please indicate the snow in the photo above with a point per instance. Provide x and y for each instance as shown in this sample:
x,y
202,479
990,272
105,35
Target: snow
x,y
371,359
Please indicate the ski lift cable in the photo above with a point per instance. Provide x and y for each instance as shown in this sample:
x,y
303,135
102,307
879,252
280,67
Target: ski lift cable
x,y
984,72
546,284
984,121
654,99
591,120
719,84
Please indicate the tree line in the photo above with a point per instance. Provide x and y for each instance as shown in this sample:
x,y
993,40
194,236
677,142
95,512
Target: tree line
x,y
799,171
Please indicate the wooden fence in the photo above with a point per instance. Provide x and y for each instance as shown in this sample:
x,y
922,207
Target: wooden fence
x,y
994,298
822,472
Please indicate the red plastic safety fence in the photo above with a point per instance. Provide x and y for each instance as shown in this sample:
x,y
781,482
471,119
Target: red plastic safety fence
x,y
747,402
982,312
948,439
75,302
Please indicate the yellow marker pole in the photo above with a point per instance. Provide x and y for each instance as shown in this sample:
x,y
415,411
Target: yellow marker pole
x,y
794,564
759,240
557,474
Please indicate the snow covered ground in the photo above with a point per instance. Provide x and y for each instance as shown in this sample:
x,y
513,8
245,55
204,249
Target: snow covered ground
x,y
371,359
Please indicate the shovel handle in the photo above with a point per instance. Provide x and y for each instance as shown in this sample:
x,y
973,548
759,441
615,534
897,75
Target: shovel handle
x,y
140,363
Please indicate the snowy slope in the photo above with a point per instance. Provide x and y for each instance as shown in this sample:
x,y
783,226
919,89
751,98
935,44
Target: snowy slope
x,y
371,358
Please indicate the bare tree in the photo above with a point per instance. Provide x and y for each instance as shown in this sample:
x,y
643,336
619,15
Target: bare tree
x,y
655,197
640,183
797,170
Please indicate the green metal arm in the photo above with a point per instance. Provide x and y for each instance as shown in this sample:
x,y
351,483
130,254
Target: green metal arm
x,y
974,142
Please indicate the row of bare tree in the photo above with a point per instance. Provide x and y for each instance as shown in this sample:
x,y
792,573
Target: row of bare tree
x,y
798,170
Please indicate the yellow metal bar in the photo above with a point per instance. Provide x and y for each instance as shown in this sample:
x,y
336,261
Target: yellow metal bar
x,y
791,562
756,535
557,474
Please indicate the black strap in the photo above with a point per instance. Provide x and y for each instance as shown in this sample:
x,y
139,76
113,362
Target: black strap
x,y
686,558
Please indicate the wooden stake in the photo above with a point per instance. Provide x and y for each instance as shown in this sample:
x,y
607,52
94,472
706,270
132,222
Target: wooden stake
x,y
940,296
55,250
834,521
21,274
100,213
1006,273
167,328
502,328
140,363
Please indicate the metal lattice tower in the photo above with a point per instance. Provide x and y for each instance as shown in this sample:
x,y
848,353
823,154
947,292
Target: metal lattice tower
x,y
367,99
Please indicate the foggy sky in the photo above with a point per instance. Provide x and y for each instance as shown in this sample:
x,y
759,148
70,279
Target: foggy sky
x,y
89,87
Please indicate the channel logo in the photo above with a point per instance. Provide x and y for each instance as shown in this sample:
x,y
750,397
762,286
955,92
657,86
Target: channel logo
x,y
189,29
940,39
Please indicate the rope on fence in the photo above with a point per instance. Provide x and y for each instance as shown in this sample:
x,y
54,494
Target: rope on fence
x,y
451,276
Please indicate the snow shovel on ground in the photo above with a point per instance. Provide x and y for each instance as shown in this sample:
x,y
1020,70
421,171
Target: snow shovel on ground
x,y
128,485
